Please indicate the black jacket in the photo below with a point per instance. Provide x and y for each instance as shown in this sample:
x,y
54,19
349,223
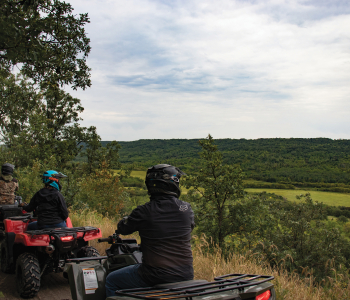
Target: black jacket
x,y
49,205
165,225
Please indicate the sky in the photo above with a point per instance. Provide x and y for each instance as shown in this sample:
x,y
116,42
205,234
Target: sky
x,y
165,69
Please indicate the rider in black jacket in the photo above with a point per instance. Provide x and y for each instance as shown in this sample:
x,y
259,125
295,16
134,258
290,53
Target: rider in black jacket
x,y
48,203
164,224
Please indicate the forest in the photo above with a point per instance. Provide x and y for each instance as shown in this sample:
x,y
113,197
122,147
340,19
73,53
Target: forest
x,y
315,162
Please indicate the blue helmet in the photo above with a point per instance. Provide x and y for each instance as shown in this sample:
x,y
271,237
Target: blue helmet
x,y
52,178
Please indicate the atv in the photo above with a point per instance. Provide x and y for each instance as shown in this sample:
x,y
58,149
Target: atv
x,y
32,254
87,279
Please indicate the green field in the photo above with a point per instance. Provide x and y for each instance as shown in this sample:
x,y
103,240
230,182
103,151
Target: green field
x,y
139,174
335,199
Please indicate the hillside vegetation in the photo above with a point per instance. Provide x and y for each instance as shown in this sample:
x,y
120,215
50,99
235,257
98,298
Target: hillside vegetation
x,y
209,264
329,198
319,162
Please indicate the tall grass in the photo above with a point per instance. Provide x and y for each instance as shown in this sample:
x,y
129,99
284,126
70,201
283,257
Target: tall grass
x,y
209,264
91,218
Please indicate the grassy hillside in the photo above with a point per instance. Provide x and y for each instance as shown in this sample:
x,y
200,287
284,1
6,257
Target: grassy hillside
x,y
207,265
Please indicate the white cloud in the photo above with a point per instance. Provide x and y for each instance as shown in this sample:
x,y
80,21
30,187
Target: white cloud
x,y
239,69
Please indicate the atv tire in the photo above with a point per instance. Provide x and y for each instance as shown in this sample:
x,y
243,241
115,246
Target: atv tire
x,y
27,275
273,294
88,251
6,266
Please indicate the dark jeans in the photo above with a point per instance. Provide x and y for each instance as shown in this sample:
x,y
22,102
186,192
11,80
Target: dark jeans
x,y
125,278
34,226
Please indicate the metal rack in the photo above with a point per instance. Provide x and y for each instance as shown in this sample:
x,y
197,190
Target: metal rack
x,y
221,284
51,231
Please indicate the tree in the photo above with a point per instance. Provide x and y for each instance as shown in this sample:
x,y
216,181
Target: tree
x,y
214,191
39,123
18,98
101,191
98,155
301,240
49,45
46,40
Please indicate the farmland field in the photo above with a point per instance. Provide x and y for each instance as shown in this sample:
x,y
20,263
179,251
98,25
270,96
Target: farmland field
x,y
335,199
140,174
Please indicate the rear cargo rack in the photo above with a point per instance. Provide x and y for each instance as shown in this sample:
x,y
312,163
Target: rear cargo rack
x,y
221,284
64,230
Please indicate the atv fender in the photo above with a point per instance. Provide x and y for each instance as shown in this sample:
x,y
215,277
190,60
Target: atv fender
x,y
44,239
32,240
15,226
78,285
69,223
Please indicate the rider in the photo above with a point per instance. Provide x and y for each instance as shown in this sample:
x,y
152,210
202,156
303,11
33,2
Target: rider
x,y
48,203
165,225
8,184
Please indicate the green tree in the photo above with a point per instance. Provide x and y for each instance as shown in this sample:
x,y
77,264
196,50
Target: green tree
x,y
46,40
249,222
101,191
97,154
18,98
300,240
38,123
214,191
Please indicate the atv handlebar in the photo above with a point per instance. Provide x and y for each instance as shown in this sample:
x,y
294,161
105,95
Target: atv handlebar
x,y
109,240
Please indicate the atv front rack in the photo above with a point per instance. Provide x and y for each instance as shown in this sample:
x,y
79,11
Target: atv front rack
x,y
236,282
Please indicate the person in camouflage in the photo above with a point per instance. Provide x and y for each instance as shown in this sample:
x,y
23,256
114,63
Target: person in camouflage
x,y
8,184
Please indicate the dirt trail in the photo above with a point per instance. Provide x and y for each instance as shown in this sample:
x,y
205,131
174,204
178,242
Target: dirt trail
x,y
53,287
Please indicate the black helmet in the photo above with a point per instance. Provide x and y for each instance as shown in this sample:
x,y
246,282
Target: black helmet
x,y
164,179
7,169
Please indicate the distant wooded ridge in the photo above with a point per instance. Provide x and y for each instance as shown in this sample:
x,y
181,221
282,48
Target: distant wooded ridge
x,y
275,160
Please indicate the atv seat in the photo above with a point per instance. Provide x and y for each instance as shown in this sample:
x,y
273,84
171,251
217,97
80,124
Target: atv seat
x,y
179,284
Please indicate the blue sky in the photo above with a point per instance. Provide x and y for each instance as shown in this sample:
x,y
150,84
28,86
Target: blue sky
x,y
234,69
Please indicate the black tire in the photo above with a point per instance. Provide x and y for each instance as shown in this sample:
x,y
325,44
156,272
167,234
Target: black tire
x,y
88,251
27,275
6,266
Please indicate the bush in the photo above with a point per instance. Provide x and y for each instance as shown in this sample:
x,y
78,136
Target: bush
x,y
101,191
261,185
133,182
343,219
301,241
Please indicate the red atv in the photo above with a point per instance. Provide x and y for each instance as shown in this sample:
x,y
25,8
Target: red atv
x,y
31,254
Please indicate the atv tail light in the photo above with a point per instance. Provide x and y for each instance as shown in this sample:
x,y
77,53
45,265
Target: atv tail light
x,y
67,238
264,296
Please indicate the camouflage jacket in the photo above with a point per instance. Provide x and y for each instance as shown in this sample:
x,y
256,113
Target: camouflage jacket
x,y
7,190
